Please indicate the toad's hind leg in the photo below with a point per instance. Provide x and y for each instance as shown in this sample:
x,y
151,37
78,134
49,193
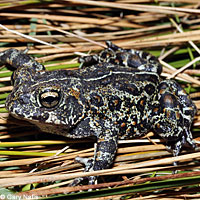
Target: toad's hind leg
x,y
107,55
173,116
114,55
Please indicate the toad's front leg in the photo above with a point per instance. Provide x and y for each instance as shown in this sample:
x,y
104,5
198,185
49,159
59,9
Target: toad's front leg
x,y
25,66
105,150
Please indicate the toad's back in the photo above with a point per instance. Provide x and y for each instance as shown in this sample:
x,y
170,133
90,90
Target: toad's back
x,y
122,95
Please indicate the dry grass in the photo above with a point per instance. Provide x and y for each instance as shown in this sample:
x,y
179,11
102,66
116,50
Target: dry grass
x,y
60,31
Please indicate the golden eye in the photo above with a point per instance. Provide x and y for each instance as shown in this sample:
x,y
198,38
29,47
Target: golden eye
x,y
50,98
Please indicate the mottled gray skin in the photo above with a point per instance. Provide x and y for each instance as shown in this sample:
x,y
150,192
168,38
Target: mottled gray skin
x,y
116,94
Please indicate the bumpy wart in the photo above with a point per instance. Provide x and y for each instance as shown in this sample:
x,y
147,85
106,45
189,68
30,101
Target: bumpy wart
x,y
116,94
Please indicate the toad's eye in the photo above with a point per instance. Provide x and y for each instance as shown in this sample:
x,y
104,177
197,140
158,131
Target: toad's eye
x,y
50,98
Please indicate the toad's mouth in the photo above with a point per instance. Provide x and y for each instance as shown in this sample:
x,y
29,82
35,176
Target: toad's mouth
x,y
37,121
59,129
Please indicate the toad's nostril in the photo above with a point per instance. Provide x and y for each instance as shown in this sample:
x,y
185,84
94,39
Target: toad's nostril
x,y
24,99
